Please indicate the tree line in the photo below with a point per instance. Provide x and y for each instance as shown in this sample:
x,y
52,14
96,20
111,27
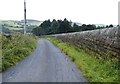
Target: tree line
x,y
62,26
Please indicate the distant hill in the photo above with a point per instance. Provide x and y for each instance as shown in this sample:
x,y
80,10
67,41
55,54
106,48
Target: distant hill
x,y
17,26
31,20
80,24
77,23
101,25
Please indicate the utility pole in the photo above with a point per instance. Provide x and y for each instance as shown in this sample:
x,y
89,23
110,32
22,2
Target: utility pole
x,y
24,17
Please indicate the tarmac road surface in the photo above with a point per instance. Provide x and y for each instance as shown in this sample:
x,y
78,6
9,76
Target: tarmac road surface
x,y
46,64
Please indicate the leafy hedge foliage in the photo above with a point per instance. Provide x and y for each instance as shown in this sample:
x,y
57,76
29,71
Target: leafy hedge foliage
x,y
15,47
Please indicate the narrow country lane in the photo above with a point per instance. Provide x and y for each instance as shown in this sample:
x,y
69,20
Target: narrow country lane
x,y
46,64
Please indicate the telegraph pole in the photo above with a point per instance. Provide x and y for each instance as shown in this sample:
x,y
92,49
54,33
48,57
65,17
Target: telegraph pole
x,y
24,17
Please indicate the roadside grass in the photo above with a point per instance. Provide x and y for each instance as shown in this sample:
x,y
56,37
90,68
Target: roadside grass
x,y
16,47
94,69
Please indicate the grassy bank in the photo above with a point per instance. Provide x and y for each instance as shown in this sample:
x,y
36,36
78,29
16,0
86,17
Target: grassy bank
x,y
15,48
94,69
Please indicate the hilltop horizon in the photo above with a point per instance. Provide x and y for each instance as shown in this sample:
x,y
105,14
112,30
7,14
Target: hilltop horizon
x,y
79,23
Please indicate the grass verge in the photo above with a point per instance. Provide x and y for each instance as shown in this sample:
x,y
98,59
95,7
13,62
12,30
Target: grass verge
x,y
94,69
16,47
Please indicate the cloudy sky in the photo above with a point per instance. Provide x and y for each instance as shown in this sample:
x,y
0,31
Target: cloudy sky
x,y
83,11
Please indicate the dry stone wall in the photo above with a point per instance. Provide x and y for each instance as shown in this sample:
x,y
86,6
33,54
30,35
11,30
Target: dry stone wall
x,y
104,42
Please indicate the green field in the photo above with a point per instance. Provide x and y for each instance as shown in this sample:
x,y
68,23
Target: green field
x,y
14,26
9,22
34,23
11,28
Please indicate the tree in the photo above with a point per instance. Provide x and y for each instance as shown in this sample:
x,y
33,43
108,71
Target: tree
x,y
54,26
107,26
110,25
84,27
91,27
36,31
75,27
46,24
60,26
65,26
